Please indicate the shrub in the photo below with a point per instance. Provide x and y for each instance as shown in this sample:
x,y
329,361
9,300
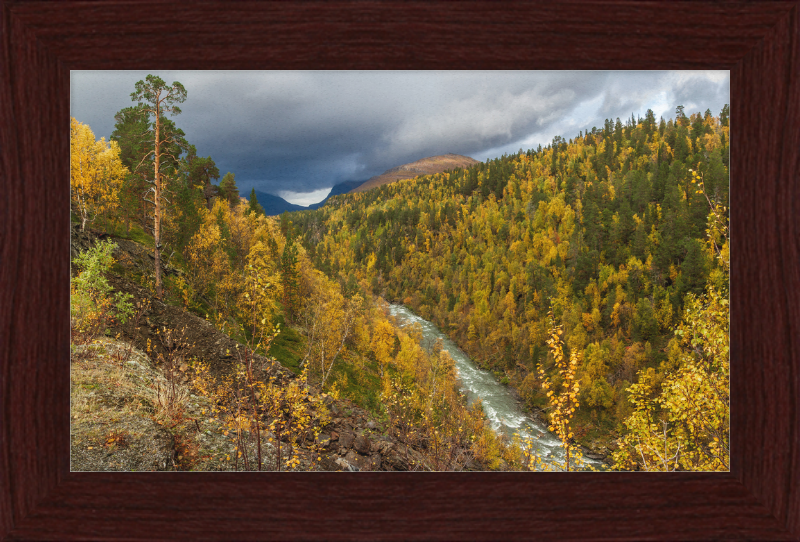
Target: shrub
x,y
92,306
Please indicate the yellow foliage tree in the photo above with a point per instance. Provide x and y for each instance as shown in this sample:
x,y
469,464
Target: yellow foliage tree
x,y
329,318
96,173
562,398
257,303
684,424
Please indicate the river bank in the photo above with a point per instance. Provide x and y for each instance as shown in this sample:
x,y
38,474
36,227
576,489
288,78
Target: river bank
x,y
502,403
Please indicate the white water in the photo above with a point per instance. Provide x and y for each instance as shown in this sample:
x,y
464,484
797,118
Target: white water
x,y
502,410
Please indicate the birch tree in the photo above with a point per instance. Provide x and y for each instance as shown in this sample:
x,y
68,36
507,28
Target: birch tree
x,y
96,173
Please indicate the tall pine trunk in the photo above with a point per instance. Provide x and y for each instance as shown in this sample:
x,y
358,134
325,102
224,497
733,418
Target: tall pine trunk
x,y
157,212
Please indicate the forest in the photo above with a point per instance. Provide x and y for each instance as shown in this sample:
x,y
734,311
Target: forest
x,y
619,236
591,276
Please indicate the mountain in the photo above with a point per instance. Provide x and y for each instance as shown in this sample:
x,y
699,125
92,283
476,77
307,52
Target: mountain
x,y
426,166
341,188
275,205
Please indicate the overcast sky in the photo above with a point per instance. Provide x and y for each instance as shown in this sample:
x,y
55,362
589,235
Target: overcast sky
x,y
296,134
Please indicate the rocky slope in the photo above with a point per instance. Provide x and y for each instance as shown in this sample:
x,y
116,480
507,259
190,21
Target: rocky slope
x,y
117,389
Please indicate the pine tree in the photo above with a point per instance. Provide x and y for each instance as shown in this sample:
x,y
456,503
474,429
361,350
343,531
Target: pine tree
x,y
252,204
157,99
228,189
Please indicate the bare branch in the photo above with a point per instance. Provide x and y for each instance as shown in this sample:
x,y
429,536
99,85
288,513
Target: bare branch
x,y
143,159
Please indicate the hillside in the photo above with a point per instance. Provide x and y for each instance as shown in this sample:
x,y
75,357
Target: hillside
x,y
155,386
340,188
426,166
614,242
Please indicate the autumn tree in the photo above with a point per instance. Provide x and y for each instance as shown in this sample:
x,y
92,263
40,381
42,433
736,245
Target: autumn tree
x,y
157,99
683,422
92,306
290,280
259,302
96,173
562,397
329,319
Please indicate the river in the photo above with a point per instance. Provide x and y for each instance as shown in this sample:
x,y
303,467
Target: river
x,y
501,408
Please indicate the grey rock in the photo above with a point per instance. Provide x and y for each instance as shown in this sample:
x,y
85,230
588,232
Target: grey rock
x,y
375,462
153,451
346,466
324,440
357,460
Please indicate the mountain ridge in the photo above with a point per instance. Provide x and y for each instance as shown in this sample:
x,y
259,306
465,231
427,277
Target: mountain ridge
x,y
275,205
424,166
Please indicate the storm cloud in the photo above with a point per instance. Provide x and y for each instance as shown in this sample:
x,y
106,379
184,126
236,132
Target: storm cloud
x,y
293,132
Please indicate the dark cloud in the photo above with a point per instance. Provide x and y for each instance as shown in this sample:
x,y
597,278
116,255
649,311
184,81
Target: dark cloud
x,y
304,131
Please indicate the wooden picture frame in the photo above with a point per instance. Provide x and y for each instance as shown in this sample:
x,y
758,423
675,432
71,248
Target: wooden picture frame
x,y
759,42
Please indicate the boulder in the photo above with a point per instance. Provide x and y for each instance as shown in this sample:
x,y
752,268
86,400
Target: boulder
x,y
324,440
375,462
362,445
345,466
346,439
400,457
357,460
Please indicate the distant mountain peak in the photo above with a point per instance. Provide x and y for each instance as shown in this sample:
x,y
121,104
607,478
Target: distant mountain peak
x,y
425,166
275,205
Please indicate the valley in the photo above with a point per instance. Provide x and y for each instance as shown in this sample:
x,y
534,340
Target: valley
x,y
560,308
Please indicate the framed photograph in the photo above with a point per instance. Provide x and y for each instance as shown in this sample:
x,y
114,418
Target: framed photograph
x,y
44,498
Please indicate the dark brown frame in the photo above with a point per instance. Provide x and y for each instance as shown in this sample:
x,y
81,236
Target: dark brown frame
x,y
757,41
